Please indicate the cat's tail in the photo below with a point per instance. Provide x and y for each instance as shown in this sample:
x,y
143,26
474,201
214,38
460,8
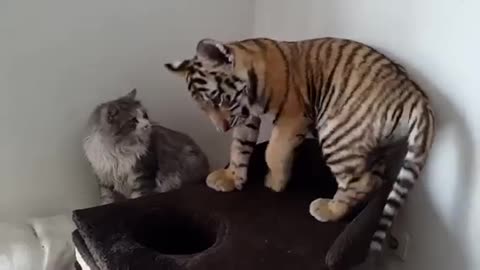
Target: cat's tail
x,y
198,164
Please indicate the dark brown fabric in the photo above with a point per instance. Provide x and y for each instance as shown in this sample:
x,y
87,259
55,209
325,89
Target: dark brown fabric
x,y
252,229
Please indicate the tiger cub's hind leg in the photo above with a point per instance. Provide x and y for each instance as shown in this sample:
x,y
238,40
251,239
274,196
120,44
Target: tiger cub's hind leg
x,y
355,182
345,199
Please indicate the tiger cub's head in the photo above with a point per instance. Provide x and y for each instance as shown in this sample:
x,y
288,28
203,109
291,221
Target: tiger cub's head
x,y
215,83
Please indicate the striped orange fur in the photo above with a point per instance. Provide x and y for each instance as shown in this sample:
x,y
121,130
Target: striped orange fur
x,y
357,99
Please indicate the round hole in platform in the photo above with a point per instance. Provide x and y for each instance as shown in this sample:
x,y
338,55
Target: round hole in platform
x,y
176,233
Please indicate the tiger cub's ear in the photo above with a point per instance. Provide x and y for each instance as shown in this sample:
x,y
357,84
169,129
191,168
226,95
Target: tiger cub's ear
x,y
214,52
179,67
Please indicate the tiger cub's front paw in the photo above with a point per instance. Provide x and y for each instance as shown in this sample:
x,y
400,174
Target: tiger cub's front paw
x,y
221,180
276,184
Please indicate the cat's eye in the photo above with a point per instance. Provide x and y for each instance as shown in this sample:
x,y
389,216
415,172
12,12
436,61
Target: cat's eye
x,y
133,121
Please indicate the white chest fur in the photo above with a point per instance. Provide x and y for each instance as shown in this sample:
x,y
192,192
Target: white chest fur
x,y
113,164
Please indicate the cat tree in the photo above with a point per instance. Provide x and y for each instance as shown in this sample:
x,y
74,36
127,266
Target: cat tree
x,y
196,228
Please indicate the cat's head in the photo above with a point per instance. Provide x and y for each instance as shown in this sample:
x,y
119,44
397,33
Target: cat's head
x,y
122,119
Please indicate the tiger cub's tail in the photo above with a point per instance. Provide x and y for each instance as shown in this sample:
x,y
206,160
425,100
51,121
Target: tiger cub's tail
x,y
420,137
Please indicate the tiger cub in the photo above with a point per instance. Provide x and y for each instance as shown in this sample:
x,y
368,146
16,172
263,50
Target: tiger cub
x,y
357,99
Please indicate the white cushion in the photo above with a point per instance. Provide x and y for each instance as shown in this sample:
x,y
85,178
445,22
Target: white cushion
x,y
38,244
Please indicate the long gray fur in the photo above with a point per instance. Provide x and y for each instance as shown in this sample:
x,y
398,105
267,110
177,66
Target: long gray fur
x,y
132,157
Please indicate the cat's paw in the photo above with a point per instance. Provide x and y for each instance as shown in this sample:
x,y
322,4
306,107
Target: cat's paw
x,y
274,183
325,210
221,180
136,194
106,200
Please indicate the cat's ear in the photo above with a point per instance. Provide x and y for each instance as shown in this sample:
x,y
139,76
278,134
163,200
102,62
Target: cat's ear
x,y
179,67
214,52
132,94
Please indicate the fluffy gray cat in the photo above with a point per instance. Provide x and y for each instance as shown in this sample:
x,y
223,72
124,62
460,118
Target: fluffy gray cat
x,y
133,157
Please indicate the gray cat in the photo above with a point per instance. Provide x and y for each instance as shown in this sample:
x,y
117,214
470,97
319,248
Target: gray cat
x,y
133,157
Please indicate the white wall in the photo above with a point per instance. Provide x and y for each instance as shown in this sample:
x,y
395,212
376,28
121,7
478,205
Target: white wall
x,y
438,42
59,58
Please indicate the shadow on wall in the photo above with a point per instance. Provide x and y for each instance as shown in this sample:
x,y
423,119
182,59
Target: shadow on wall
x,y
448,116
434,248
